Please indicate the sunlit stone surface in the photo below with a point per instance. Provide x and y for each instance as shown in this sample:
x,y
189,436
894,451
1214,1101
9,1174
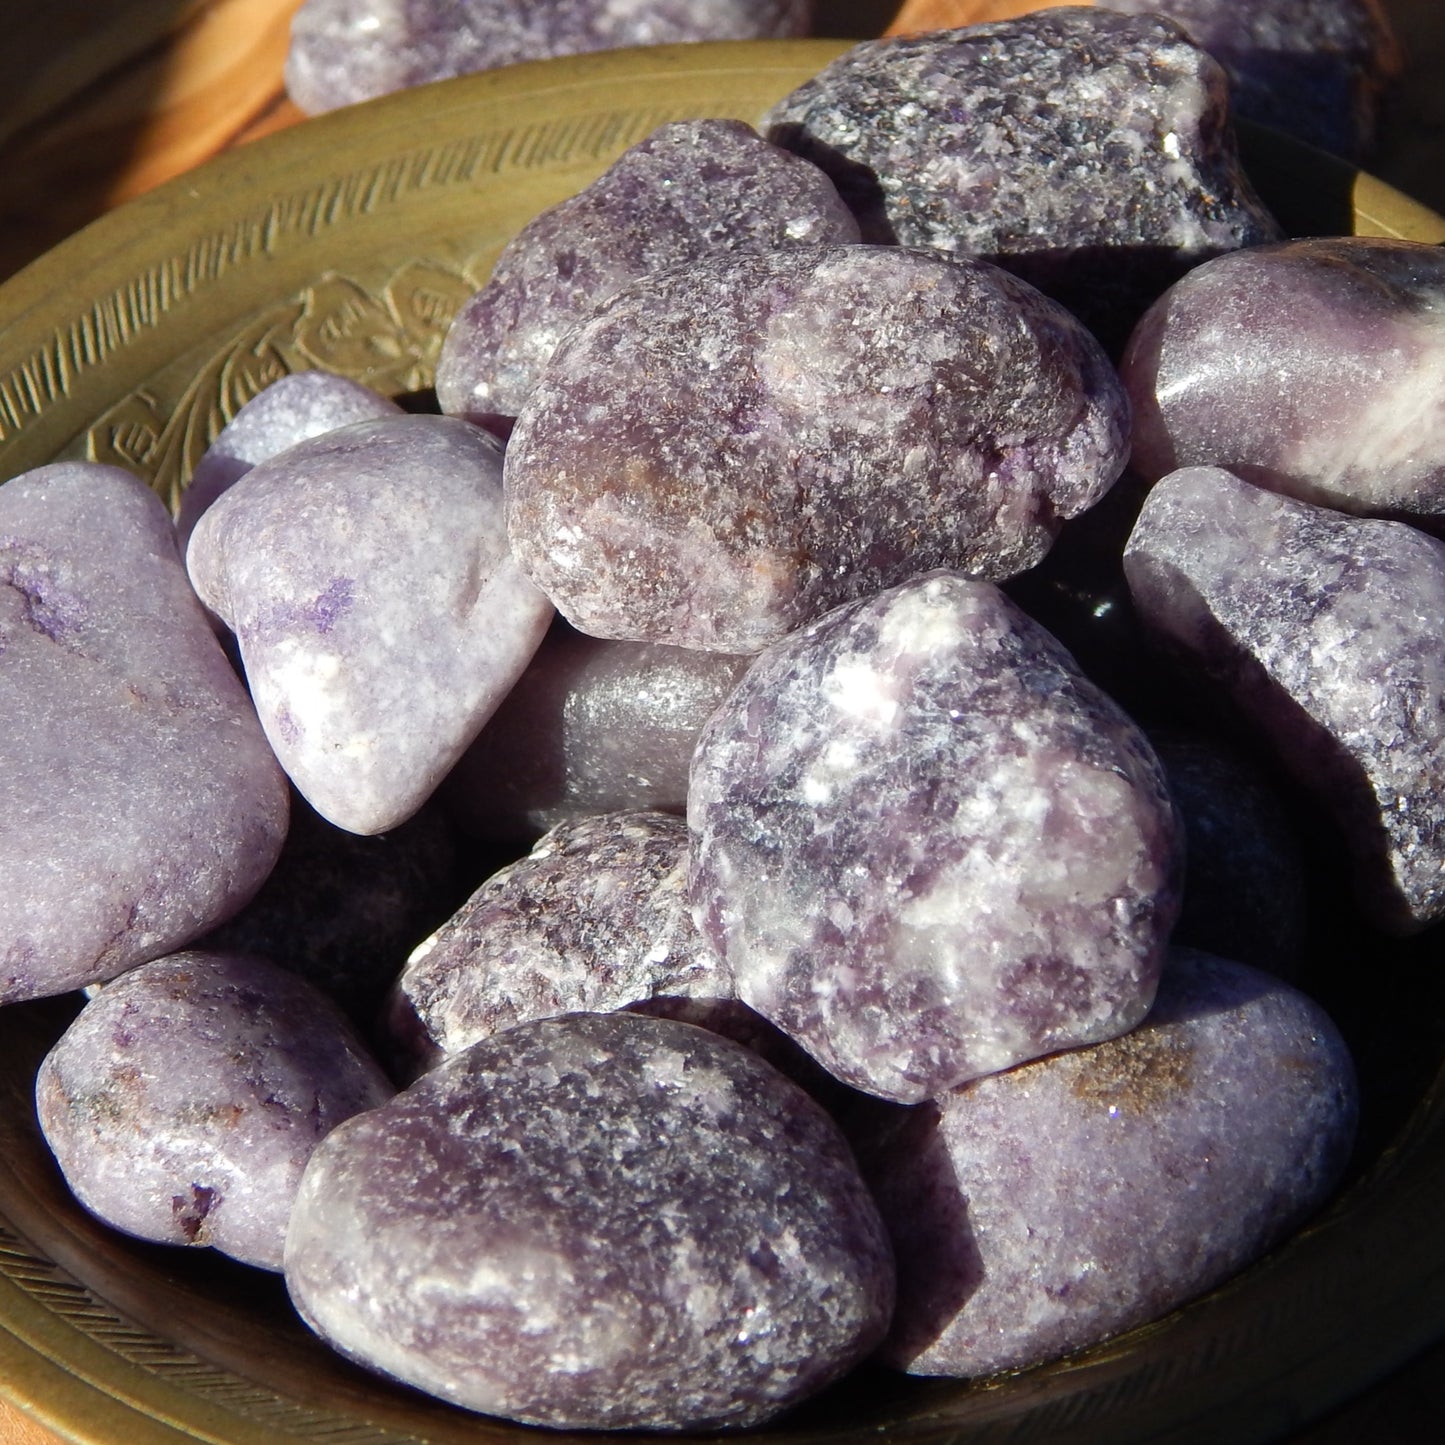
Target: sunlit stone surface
x,y
927,846
727,450
1314,368
1085,150
184,1100
1040,1210
690,188
592,726
380,617
1324,631
348,50
142,804
598,1221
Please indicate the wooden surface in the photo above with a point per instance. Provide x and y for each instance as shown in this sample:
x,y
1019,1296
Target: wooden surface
x,y
104,101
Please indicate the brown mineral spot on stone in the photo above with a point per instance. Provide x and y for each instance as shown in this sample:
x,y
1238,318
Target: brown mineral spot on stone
x,y
1139,1071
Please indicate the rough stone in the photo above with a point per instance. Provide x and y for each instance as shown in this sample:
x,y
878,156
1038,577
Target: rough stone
x,y
927,846
142,805
1039,1211
1313,368
597,1221
727,450
184,1100
1323,631
379,614
690,188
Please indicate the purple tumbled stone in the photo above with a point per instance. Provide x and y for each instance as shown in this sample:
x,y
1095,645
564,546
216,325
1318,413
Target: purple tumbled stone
x,y
1041,1210
379,614
596,1222
1088,151
592,726
690,188
142,804
726,450
1323,631
927,846
184,1100
1316,69
293,409
343,51
1312,368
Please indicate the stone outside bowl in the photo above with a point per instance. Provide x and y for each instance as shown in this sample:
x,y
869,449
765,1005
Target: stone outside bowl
x,y
348,243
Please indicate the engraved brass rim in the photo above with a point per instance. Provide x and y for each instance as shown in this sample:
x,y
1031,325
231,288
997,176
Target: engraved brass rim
x,y
348,243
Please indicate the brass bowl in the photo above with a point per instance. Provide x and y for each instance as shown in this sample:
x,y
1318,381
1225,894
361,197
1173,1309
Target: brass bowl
x,y
347,244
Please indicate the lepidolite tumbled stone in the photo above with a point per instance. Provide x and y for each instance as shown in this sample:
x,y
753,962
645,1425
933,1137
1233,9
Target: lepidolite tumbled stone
x,y
726,450
379,614
1324,632
1040,1210
688,189
184,1100
343,51
592,726
1312,368
927,846
598,1221
1087,151
142,804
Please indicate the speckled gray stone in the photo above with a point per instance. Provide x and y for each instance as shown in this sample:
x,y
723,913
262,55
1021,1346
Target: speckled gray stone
x,y
290,410
592,726
1316,69
1323,631
379,614
141,803
1041,1210
343,51
598,1221
1088,151
184,1100
727,450
927,846
690,188
1312,368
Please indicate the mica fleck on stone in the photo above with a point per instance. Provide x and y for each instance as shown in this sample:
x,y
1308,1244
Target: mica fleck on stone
x,y
596,1222
592,726
927,846
727,450
1312,368
1085,150
185,1098
1323,632
290,410
142,805
343,51
1316,69
379,614
1039,1211
690,188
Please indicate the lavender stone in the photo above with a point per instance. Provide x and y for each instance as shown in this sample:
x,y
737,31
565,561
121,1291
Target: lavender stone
x,y
1311,368
592,726
1039,1211
344,51
688,189
379,614
1085,150
927,846
184,1100
598,1221
142,804
1323,631
291,410
1316,69
727,450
